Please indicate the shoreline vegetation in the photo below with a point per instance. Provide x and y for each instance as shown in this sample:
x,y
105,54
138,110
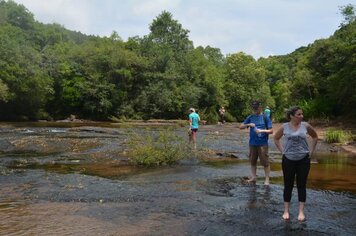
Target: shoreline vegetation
x,y
49,72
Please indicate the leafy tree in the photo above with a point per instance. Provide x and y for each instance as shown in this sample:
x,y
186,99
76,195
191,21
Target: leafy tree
x,y
348,12
16,15
279,74
282,95
4,92
23,75
166,31
246,81
48,71
206,72
156,101
167,45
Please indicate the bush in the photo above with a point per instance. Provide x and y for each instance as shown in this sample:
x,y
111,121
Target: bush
x,y
229,117
42,115
155,150
210,115
337,136
279,116
317,108
182,123
116,119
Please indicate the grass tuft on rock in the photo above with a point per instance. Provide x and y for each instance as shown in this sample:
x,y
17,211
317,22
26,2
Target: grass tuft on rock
x,y
337,136
157,148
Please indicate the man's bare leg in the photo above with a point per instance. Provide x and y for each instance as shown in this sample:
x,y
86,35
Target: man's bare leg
x,y
267,171
254,174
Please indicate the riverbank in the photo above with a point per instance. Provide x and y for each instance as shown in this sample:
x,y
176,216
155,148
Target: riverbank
x,y
346,126
321,128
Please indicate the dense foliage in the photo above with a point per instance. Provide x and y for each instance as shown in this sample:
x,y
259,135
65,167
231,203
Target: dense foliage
x,y
49,72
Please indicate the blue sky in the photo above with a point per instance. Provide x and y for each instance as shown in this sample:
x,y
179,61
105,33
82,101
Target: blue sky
x,y
257,27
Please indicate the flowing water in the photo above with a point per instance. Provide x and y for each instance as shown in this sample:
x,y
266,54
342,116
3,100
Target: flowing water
x,y
74,179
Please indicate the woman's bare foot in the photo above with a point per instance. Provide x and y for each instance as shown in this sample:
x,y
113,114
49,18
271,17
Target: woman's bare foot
x,y
301,216
285,216
251,180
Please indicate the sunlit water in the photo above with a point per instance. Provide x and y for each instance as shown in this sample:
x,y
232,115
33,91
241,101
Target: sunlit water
x,y
64,179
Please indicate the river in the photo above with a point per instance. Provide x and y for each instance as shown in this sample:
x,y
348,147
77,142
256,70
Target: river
x,y
74,179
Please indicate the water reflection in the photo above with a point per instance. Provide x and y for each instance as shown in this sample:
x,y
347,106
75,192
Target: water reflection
x,y
259,196
329,171
297,228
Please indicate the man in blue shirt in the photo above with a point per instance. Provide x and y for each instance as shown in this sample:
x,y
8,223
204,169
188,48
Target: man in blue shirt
x,y
194,125
260,127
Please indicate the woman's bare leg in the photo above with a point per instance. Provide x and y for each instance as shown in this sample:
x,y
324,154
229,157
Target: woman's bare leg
x,y
286,211
301,216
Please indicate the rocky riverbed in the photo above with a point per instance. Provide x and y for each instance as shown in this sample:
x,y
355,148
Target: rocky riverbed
x,y
73,179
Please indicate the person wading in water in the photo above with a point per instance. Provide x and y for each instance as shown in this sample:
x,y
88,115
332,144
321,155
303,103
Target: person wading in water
x,y
296,157
193,126
260,126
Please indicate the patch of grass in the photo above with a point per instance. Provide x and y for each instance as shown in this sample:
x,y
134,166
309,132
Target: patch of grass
x,y
337,136
117,120
157,149
182,123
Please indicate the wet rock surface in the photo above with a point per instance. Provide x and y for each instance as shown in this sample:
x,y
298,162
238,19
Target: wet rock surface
x,y
76,180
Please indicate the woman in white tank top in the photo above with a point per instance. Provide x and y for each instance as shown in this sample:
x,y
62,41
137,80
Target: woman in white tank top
x,y
296,157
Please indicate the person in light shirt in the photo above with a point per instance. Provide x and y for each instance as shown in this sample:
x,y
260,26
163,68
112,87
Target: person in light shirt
x,y
193,126
296,157
222,114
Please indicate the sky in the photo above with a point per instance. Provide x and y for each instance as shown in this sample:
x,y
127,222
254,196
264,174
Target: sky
x,y
256,27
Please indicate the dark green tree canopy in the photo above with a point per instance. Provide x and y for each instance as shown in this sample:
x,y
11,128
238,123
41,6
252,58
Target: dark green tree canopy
x,y
49,72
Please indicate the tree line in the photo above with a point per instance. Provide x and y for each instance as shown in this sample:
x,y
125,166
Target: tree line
x,y
49,72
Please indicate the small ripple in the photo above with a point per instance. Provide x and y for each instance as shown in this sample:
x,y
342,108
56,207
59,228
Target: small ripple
x,y
26,131
57,131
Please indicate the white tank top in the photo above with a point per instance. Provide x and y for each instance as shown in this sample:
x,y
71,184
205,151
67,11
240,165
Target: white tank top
x,y
295,142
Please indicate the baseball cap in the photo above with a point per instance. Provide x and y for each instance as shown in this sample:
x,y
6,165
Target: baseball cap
x,y
256,104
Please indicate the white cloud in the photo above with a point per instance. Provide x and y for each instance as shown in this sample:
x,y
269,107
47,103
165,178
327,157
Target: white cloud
x,y
147,8
74,15
254,48
257,27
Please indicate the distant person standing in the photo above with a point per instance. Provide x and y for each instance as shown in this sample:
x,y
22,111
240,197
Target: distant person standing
x,y
260,127
222,114
296,157
267,112
193,126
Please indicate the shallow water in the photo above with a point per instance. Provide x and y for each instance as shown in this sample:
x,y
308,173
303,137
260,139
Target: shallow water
x,y
69,180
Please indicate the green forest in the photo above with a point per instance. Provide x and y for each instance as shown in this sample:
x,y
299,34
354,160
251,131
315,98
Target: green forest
x,y
48,73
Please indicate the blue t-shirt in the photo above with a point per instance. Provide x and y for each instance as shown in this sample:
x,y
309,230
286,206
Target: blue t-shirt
x,y
259,121
194,117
